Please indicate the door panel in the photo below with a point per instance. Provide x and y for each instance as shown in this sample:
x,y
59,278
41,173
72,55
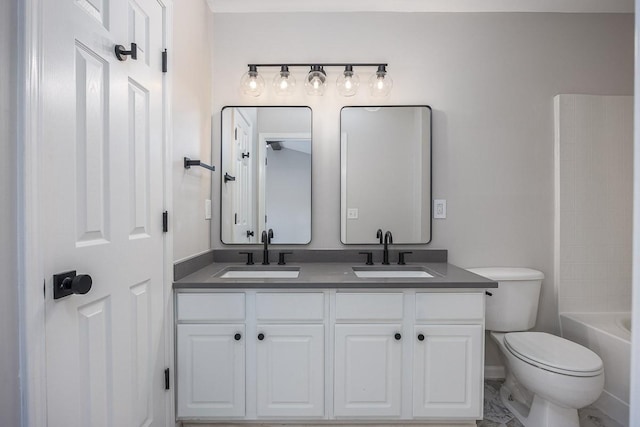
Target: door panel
x,y
101,186
290,371
448,371
368,368
210,363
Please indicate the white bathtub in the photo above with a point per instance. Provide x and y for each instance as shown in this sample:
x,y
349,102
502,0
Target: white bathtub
x,y
609,335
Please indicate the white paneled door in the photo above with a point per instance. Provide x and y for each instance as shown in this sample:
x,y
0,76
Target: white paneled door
x,y
101,185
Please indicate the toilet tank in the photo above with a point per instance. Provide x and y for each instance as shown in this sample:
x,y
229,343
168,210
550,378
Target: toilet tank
x,y
513,305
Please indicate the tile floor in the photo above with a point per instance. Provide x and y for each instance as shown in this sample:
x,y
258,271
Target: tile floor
x,y
496,415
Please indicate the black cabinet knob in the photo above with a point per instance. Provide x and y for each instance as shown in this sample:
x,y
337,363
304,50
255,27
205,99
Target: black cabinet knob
x,y
397,336
237,337
420,337
260,336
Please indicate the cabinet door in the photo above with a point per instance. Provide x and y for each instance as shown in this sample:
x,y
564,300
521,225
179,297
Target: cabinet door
x,y
447,371
368,370
211,371
290,371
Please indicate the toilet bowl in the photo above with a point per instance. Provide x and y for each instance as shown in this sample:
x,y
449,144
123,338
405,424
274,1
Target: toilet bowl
x,y
548,377
558,377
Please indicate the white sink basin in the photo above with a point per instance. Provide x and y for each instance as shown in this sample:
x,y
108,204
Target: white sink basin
x,y
390,274
260,274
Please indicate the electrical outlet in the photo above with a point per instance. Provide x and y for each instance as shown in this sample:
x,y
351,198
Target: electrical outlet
x,y
440,209
352,213
207,209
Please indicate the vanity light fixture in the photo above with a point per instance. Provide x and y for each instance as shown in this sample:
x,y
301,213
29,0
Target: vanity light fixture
x,y
315,82
380,83
348,82
284,83
252,83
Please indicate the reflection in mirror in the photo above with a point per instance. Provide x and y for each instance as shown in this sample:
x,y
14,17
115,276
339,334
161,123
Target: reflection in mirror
x,y
266,174
385,173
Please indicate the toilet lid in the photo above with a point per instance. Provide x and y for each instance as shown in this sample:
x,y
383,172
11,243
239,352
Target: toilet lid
x,y
553,353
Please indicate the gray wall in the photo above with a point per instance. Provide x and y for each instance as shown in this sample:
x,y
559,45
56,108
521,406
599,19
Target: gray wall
x,y
191,110
9,359
490,78
288,195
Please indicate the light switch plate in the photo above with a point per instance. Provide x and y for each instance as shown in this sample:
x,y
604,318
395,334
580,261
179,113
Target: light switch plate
x,y
352,213
439,208
207,209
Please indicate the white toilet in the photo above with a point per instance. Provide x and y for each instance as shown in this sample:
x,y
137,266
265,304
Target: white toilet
x,y
548,377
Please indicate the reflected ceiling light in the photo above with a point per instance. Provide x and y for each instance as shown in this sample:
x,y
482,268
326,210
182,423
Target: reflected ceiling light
x,y
284,83
316,81
348,82
252,83
380,83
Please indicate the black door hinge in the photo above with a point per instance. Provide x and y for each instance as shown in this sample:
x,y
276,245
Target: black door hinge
x,y
235,134
166,379
164,61
165,221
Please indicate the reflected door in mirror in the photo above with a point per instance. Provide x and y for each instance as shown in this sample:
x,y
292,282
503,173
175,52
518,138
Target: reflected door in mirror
x,y
269,151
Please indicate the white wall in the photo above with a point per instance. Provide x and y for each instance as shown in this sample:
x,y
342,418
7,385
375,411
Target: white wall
x,y
191,109
594,197
490,79
9,359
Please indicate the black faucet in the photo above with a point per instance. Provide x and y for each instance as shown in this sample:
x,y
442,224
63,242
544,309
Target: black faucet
x,y
388,239
266,239
379,235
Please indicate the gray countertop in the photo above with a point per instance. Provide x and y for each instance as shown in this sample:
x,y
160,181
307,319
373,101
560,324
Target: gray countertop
x,y
333,275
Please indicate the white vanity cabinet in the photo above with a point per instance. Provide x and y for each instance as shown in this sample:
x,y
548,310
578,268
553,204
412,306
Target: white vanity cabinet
x,y
368,354
210,355
290,354
448,354
400,355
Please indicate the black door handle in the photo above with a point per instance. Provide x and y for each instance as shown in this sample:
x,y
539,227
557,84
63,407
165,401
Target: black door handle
x,y
70,283
122,53
228,177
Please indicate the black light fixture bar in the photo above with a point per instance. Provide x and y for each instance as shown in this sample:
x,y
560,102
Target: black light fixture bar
x,y
322,64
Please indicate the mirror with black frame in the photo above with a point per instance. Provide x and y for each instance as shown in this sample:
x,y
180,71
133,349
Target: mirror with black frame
x,y
385,156
265,174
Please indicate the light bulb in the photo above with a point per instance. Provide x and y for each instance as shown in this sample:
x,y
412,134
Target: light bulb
x,y
380,83
252,83
316,81
284,83
348,82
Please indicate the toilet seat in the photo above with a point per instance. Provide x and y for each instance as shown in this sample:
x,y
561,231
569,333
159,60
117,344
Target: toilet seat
x,y
553,353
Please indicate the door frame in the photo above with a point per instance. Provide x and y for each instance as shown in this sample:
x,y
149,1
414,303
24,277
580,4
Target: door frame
x,y
32,348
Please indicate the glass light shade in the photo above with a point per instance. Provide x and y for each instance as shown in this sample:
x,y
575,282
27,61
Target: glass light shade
x,y
380,83
284,83
252,83
316,81
348,82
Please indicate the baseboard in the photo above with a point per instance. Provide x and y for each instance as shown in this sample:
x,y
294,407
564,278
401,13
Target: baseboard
x,y
494,372
399,423
613,407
